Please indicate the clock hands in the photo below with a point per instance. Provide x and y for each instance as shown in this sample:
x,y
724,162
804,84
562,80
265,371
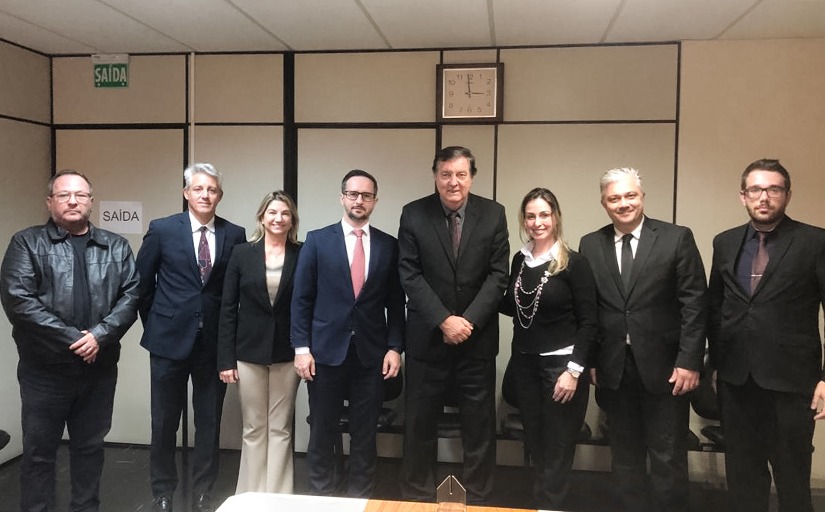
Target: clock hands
x,y
470,92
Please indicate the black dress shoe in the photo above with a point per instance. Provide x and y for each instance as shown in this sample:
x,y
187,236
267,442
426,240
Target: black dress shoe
x,y
203,503
4,438
162,504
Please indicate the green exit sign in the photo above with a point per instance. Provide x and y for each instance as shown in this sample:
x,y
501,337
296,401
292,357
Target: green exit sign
x,y
111,70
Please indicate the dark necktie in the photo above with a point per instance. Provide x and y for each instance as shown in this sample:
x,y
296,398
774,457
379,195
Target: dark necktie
x,y
627,261
455,231
358,267
204,257
760,261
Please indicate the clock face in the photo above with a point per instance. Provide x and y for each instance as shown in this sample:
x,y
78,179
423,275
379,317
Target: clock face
x,y
470,92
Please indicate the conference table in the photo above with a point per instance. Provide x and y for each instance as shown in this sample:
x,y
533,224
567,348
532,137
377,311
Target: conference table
x,y
260,502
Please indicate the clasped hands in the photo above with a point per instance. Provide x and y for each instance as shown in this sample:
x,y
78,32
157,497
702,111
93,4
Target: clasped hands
x,y
86,347
456,330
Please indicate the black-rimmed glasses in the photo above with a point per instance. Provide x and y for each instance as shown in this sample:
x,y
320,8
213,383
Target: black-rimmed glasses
x,y
352,195
756,192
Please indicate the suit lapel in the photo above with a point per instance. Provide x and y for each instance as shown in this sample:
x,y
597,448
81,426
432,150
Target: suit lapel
x,y
340,250
647,240
220,238
442,231
609,253
728,269
470,222
188,242
257,268
375,254
290,259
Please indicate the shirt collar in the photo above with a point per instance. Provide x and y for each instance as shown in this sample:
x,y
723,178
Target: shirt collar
x,y
460,210
196,224
348,228
534,261
617,235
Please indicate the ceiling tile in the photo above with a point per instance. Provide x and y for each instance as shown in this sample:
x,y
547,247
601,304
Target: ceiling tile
x,y
203,25
93,25
671,20
316,24
432,23
37,38
526,22
781,19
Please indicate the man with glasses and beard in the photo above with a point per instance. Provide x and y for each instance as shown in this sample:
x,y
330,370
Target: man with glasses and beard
x,y
348,333
767,286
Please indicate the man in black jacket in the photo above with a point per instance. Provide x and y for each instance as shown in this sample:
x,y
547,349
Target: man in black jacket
x,y
767,287
651,339
454,252
70,291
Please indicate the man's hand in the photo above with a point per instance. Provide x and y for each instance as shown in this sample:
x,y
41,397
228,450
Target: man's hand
x,y
304,366
818,401
392,363
683,381
228,376
86,347
456,329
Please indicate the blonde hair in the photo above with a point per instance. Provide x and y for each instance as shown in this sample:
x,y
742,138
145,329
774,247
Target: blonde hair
x,y
278,195
555,210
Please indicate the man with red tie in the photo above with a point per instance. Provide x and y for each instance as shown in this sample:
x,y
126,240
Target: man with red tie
x,y
348,333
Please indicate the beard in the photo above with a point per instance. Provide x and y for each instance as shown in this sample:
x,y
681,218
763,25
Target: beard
x,y
772,217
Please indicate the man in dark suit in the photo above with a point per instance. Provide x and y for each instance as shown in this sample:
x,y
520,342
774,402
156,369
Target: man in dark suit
x,y
348,333
652,317
454,261
182,263
767,285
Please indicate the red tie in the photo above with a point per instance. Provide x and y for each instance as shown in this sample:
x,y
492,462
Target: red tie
x,y
358,263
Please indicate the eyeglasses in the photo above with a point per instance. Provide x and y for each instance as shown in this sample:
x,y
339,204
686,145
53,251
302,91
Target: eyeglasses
x,y
352,195
80,197
756,192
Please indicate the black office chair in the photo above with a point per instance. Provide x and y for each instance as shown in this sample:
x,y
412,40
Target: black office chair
x,y
512,426
705,404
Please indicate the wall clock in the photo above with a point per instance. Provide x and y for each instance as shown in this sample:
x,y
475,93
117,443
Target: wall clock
x,y
469,93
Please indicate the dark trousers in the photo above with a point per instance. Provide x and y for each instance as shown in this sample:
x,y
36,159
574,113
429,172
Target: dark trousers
x,y
363,387
646,425
425,390
551,428
762,427
169,379
83,404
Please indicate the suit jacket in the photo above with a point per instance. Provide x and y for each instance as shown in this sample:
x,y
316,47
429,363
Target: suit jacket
x,y
326,316
664,311
253,329
173,301
439,285
774,334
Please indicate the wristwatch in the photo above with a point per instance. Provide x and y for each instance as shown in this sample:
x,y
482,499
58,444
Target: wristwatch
x,y
576,374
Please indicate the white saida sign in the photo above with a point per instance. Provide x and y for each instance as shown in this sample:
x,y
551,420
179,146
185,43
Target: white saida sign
x,y
123,217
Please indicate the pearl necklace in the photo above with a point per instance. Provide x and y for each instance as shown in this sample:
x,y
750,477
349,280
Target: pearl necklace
x,y
527,312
